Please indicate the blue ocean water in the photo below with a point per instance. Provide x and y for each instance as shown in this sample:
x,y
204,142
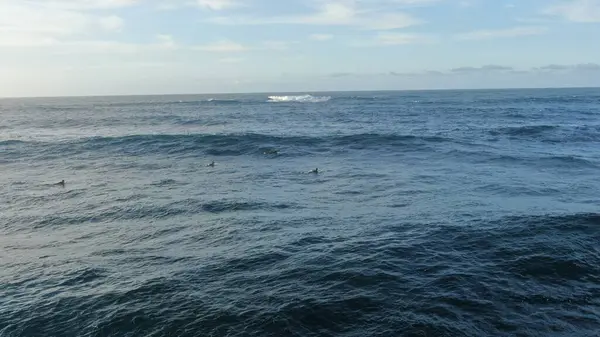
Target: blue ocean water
x,y
440,213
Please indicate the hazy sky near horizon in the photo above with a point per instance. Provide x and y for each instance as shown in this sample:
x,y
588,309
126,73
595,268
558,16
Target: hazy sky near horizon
x,y
97,47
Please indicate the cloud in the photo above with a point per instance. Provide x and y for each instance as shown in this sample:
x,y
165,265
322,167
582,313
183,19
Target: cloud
x,y
35,19
340,13
217,5
584,67
495,67
473,70
56,46
588,66
502,33
36,22
563,67
231,60
577,10
554,67
393,39
321,37
486,69
80,5
336,75
166,41
224,46
111,23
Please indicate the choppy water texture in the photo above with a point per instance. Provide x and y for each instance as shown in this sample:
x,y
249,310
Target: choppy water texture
x,y
456,213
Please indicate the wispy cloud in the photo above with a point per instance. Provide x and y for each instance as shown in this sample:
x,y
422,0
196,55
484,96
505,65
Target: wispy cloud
x,y
217,5
37,22
502,33
111,23
81,4
341,13
321,37
394,39
231,60
486,68
476,70
563,67
278,45
224,46
577,10
166,41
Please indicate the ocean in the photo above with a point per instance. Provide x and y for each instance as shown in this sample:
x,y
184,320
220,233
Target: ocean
x,y
433,213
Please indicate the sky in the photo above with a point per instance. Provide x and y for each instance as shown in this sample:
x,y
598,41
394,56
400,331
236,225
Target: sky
x,y
121,47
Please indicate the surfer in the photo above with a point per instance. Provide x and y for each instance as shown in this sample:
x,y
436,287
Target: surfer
x,y
315,171
271,152
212,164
61,183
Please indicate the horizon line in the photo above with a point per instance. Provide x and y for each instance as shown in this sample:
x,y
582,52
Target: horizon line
x,y
294,92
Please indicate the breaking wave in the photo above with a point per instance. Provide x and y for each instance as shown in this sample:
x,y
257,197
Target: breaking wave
x,y
299,99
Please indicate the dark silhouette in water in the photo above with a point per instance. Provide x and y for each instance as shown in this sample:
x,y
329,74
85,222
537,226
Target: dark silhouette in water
x,y
315,171
212,164
61,183
271,152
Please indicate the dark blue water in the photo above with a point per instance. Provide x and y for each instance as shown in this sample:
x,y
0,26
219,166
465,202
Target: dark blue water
x,y
451,213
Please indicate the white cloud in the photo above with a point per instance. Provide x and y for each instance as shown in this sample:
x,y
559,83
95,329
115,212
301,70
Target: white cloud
x,y
278,45
337,13
111,23
24,40
30,18
502,33
42,23
166,41
223,46
321,37
384,39
231,60
217,5
83,4
577,10
54,46
394,39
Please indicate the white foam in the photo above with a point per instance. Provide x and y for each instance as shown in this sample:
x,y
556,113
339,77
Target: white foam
x,y
301,99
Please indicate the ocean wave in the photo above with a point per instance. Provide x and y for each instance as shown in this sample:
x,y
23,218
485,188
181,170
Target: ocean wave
x,y
222,100
551,133
528,130
227,144
138,211
299,99
558,99
12,142
557,161
329,287
172,101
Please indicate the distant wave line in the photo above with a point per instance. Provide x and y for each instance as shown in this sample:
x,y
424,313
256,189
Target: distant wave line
x,y
299,99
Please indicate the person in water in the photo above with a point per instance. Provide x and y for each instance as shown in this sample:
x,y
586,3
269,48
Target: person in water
x,y
212,164
315,171
61,183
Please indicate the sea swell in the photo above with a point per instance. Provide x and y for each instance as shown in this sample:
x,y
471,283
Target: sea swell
x,y
502,277
134,210
223,144
550,133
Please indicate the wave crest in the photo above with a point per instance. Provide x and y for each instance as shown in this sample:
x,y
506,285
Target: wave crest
x,y
299,99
